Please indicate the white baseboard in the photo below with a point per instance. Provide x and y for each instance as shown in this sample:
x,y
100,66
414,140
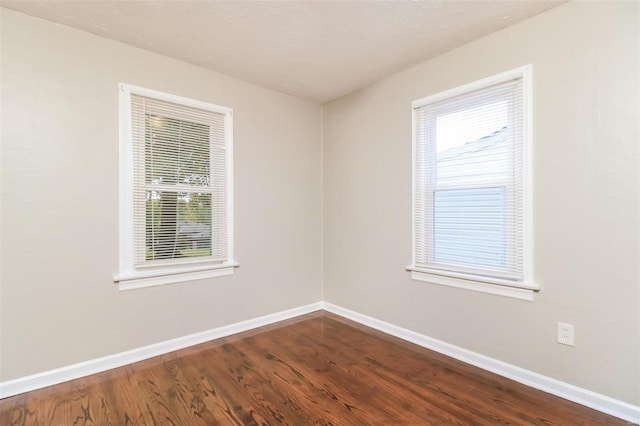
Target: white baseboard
x,y
603,403
75,371
564,390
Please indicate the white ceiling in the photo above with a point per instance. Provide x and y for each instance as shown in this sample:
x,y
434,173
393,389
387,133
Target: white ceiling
x,y
317,50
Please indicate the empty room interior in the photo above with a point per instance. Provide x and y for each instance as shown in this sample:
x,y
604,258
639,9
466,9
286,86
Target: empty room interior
x,y
319,212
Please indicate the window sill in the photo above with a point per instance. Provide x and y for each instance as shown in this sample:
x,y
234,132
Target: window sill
x,y
132,281
522,291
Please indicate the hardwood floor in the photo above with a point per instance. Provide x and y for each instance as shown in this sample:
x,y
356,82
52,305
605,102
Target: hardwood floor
x,y
319,369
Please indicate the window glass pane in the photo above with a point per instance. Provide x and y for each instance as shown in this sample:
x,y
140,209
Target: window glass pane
x,y
473,144
176,152
178,225
469,227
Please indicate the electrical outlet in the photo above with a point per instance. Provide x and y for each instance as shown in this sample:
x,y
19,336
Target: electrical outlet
x,y
565,334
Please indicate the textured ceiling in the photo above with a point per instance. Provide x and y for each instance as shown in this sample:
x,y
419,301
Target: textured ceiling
x,y
318,50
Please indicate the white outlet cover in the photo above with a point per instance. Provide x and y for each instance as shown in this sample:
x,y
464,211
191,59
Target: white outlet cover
x,y
565,334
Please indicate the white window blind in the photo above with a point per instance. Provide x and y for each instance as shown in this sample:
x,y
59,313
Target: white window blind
x,y
180,182
469,179
176,196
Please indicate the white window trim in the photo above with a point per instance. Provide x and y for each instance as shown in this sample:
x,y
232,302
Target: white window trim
x,y
526,289
130,277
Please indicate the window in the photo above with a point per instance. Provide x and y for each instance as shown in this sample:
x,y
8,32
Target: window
x,y
176,188
471,186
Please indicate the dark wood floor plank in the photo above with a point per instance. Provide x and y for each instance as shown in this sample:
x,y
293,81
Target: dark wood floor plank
x,y
319,369
408,369
384,398
317,393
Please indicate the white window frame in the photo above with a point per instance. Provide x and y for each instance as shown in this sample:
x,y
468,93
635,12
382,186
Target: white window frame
x,y
131,276
457,277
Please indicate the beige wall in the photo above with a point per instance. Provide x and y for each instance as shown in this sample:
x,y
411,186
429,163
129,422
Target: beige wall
x,y
585,73
60,201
